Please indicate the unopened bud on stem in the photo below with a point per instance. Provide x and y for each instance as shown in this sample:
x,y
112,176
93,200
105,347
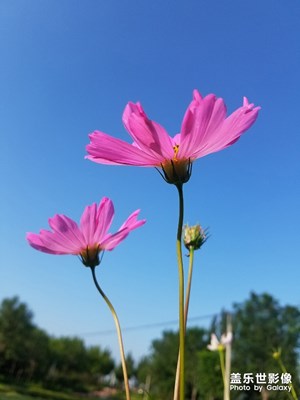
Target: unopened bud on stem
x,y
194,236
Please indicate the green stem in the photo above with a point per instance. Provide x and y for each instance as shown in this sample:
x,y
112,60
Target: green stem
x,y
222,363
189,284
181,293
120,340
284,370
186,310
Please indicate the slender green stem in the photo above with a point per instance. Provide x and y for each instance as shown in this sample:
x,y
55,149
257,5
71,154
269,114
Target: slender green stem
x,y
120,340
181,293
227,359
189,284
284,370
186,310
222,363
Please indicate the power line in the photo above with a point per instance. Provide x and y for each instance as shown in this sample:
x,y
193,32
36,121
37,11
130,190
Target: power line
x,y
145,326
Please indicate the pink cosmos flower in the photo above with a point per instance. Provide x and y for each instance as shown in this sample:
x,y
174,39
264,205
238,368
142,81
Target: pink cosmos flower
x,y
205,129
88,238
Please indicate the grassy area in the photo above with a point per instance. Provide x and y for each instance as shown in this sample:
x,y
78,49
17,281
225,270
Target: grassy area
x,y
34,392
31,392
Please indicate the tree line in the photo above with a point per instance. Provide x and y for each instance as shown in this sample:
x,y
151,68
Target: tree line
x,y
29,354
261,326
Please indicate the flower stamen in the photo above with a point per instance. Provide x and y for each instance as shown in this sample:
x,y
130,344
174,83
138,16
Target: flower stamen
x,y
176,149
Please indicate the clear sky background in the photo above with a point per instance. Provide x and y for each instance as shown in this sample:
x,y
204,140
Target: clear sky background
x,y
68,68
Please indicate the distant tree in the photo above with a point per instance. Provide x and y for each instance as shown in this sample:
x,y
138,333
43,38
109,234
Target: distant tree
x,y
16,336
163,362
27,353
196,339
68,354
38,356
130,366
143,369
68,363
261,325
210,383
75,366
100,362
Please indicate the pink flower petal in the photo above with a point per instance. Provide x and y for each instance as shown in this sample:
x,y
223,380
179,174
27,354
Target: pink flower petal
x,y
149,135
195,124
205,129
35,241
52,242
230,131
105,215
89,238
88,223
67,231
132,222
105,149
112,240
176,140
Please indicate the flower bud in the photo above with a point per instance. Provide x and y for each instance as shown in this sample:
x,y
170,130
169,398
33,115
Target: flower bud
x,y
277,354
194,236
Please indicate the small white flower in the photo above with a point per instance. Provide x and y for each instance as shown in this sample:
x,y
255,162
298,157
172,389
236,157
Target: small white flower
x,y
215,344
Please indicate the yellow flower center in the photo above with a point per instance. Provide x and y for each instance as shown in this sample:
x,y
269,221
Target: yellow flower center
x,y
176,170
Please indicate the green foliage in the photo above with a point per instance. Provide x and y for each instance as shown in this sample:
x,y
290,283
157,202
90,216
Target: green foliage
x,y
35,392
143,369
210,383
162,362
100,361
23,347
28,354
195,341
131,368
261,325
15,325
68,354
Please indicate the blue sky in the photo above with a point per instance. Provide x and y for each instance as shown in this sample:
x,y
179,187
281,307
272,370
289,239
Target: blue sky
x,y
68,68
